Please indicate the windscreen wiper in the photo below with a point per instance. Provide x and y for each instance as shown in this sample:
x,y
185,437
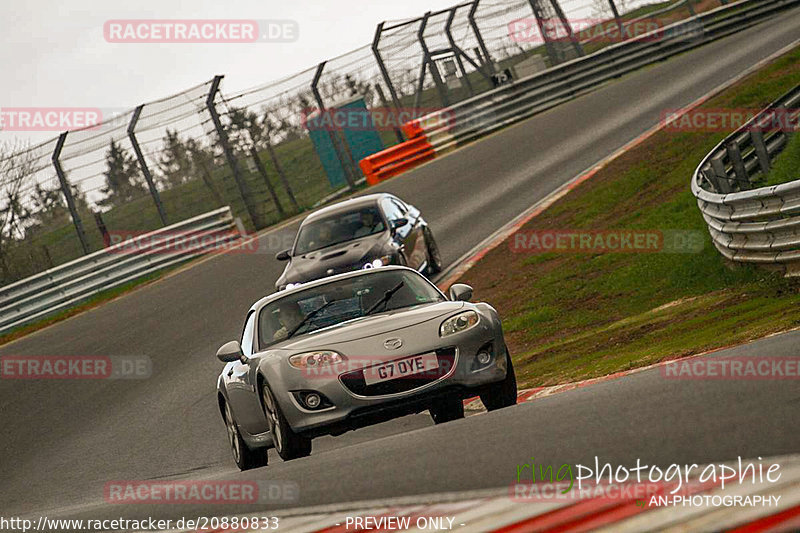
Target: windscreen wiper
x,y
308,317
385,299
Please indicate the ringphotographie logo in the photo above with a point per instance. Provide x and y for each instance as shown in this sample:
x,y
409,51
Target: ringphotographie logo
x,y
200,492
69,367
730,119
200,31
733,368
607,241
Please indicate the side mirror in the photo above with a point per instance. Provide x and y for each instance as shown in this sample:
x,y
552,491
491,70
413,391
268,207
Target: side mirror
x,y
460,292
399,223
283,255
229,352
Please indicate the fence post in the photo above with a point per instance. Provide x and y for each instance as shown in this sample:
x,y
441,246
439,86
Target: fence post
x,y
274,157
143,164
344,156
548,44
382,97
382,66
229,155
65,190
263,171
427,60
477,31
615,12
448,30
573,39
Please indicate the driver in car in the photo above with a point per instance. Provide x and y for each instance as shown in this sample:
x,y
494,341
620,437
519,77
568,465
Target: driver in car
x,y
290,315
369,224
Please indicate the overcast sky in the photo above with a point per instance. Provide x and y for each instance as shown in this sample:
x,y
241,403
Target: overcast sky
x,y
54,54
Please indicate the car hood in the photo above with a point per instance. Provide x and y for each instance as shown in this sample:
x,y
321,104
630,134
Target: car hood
x,y
379,324
344,257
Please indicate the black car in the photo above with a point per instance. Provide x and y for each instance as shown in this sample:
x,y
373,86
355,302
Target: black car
x,y
364,232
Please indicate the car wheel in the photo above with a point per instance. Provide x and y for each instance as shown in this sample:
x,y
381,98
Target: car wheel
x,y
447,410
503,393
434,257
245,457
288,444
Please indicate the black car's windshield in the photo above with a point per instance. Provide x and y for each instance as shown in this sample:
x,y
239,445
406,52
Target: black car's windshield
x,y
341,227
303,312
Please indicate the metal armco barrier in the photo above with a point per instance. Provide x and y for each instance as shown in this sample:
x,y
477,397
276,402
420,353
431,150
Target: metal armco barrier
x,y
396,160
67,284
471,119
761,225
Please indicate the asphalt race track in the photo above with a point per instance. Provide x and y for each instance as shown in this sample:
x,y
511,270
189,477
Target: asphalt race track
x,y
62,441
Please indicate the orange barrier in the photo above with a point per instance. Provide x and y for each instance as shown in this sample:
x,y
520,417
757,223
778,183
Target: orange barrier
x,y
396,160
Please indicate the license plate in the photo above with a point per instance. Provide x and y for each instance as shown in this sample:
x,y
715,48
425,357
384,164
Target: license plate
x,y
401,368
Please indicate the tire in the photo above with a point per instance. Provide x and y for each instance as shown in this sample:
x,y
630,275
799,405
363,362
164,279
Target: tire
x,y
245,457
288,444
503,393
447,410
434,257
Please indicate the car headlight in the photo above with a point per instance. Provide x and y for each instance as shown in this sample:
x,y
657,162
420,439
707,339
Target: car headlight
x,y
316,359
457,324
379,262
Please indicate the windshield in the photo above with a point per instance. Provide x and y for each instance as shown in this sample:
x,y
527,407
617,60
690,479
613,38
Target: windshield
x,y
303,312
341,227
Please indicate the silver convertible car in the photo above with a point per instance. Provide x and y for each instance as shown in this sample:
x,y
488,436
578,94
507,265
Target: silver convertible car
x,y
353,350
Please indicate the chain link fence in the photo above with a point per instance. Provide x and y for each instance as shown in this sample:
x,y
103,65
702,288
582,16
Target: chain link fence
x,y
256,150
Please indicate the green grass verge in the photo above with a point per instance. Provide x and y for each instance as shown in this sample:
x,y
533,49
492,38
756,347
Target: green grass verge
x,y
571,316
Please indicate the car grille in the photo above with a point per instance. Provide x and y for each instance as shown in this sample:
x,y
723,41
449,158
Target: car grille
x,y
354,380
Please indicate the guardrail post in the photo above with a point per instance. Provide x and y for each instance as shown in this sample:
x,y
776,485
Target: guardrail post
x,y
478,37
244,190
760,147
65,190
448,30
718,168
347,162
143,164
739,170
427,60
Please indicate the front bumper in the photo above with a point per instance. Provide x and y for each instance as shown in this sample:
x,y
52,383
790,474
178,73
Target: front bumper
x,y
355,406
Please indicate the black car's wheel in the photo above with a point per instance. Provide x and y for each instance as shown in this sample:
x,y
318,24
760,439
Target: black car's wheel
x,y
447,409
245,457
288,444
503,393
434,257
